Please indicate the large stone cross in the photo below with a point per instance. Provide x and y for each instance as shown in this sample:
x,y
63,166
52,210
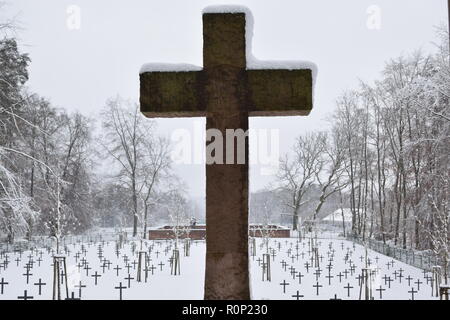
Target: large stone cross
x,y
226,92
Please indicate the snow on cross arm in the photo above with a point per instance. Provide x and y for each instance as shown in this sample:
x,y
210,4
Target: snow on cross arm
x,y
252,62
169,67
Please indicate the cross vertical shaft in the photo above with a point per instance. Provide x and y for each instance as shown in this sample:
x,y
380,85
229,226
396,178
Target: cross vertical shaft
x,y
226,185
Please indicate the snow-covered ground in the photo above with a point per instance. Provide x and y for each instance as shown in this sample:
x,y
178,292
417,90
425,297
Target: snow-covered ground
x,y
340,273
189,285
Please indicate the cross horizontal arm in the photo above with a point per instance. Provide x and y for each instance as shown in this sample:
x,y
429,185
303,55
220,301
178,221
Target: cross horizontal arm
x,y
279,92
172,94
271,92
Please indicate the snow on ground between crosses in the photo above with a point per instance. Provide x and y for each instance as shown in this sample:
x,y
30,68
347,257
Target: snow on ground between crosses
x,y
252,62
190,284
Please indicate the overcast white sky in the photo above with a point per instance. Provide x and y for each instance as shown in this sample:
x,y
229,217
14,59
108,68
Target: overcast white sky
x,y
80,69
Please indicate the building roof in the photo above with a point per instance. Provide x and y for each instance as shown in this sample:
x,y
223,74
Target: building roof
x,y
337,215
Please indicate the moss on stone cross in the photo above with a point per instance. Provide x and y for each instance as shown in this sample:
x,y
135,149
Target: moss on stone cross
x,y
226,93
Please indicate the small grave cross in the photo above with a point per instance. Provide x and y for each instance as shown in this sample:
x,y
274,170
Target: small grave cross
x,y
317,286
117,268
25,296
2,285
284,284
129,278
40,284
27,274
80,286
412,291
297,296
299,276
380,289
96,276
120,288
348,287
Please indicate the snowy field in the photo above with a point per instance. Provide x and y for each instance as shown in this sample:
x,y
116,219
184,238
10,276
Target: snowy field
x,y
101,270
340,266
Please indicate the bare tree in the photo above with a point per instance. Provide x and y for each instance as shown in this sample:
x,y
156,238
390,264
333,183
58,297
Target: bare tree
x,y
155,170
296,176
16,209
124,132
262,209
333,167
177,209
347,119
141,157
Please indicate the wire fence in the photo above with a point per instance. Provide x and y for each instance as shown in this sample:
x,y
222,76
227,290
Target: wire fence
x,y
49,242
424,260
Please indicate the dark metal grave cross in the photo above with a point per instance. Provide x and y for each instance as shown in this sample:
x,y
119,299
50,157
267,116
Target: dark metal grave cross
x,y
388,280
2,285
317,286
412,291
299,276
146,270
25,296
87,268
284,284
348,287
317,274
40,284
418,282
400,276
120,288
380,289
329,277
80,286
96,276
297,296
359,277
152,268
117,268
307,266
409,280
27,274
129,278
226,93
128,266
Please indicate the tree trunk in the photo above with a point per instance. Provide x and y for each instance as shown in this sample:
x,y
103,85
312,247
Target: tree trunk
x,y
295,221
145,220
398,197
341,203
135,207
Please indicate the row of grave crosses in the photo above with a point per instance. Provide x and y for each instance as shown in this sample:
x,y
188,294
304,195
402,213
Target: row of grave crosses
x,y
300,250
59,265
365,278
